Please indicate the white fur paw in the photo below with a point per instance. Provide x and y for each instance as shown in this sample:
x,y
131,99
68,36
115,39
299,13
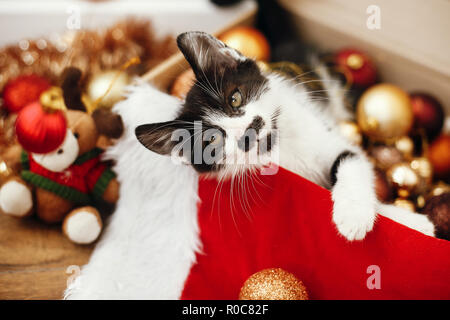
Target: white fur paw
x,y
353,219
83,225
15,199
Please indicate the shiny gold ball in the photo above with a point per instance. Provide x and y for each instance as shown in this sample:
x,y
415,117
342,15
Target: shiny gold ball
x,y
403,177
249,41
405,204
438,189
106,88
405,145
351,132
384,111
423,167
273,284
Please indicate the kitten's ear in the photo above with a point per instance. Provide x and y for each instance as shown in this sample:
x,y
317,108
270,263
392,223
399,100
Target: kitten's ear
x,y
161,137
206,53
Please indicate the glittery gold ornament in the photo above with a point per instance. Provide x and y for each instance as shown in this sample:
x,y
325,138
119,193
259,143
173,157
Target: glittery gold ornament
x,y
405,145
107,87
405,204
273,284
384,111
351,132
404,178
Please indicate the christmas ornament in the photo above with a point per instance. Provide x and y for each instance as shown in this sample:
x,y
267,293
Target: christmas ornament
x,y
351,131
23,90
383,188
405,204
423,168
385,156
273,284
404,178
439,155
90,51
428,113
384,111
357,66
183,84
438,210
439,188
41,126
406,146
249,41
107,87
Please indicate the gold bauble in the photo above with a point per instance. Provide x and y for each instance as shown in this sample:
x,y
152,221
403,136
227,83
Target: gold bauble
x,y
273,284
351,132
249,41
405,145
438,189
405,204
404,178
423,167
385,156
106,88
384,111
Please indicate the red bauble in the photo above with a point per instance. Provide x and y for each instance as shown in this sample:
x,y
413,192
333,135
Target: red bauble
x,y
428,113
357,66
23,90
39,131
439,156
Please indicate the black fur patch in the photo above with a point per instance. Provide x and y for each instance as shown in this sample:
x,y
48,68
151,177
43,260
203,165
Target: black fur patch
x,y
335,167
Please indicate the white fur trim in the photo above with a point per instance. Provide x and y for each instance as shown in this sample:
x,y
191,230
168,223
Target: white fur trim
x,y
15,199
83,227
416,221
149,244
61,158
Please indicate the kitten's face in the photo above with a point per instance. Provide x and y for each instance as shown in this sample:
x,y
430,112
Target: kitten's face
x,y
228,122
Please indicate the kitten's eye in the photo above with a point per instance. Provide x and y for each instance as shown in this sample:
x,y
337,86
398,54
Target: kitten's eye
x,y
236,99
215,139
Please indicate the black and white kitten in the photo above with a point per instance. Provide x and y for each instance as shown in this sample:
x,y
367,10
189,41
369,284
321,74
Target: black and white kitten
x,y
243,110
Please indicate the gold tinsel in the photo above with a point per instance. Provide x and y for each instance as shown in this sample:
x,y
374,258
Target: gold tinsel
x,y
91,51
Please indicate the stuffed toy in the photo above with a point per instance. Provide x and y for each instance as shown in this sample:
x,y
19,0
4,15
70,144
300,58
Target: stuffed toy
x,y
61,184
178,236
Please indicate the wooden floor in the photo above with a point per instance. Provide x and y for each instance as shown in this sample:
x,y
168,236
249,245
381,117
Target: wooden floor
x,y
34,259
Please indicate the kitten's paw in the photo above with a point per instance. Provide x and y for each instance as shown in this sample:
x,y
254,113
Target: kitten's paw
x,y
353,219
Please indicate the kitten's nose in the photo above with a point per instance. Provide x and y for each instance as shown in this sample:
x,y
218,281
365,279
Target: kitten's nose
x,y
248,140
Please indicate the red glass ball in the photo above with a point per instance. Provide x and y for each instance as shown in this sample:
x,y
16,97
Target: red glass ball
x,y
358,67
428,113
38,131
23,90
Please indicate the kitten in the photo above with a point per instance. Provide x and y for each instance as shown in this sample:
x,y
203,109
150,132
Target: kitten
x,y
237,118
